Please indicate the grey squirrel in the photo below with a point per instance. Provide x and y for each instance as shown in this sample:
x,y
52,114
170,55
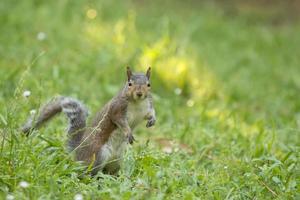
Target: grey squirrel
x,y
103,143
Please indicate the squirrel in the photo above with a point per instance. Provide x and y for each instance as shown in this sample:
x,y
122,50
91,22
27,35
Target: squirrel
x,y
103,143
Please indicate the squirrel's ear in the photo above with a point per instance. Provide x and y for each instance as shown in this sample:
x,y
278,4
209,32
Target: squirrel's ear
x,y
148,73
129,73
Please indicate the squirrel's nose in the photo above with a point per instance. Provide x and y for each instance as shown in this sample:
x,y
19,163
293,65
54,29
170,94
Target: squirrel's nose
x,y
139,94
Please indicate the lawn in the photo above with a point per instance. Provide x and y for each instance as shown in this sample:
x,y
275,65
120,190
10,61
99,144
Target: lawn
x,y
225,82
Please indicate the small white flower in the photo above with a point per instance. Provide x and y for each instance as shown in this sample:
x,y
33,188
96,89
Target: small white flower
x,y
24,184
139,181
10,197
177,91
32,112
26,93
167,149
41,36
78,197
225,167
190,103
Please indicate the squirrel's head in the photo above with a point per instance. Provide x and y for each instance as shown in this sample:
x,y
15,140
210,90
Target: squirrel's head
x,y
138,84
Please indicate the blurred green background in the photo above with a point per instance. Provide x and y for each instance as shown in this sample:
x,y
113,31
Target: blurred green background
x,y
225,81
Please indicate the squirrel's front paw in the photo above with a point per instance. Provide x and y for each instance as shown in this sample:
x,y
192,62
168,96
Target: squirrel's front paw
x,y
130,138
151,122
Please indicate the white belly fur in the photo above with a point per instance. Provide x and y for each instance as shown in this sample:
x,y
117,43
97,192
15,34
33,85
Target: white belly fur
x,y
112,151
136,112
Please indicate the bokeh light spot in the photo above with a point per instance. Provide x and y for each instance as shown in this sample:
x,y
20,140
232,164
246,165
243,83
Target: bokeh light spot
x,y
91,13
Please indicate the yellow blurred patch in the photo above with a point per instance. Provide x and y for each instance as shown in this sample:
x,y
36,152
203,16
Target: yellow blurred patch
x,y
91,13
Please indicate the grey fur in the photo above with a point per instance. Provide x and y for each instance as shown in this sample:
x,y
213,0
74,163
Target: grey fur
x,y
74,110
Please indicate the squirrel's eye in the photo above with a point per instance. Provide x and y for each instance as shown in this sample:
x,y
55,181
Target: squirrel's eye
x,y
148,85
130,84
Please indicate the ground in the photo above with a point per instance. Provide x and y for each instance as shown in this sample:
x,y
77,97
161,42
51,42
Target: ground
x,y
225,82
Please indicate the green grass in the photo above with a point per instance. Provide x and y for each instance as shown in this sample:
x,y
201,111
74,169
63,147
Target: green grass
x,y
239,108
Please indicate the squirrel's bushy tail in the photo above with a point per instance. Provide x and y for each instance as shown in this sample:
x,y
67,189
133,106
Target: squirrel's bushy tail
x,y
75,111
